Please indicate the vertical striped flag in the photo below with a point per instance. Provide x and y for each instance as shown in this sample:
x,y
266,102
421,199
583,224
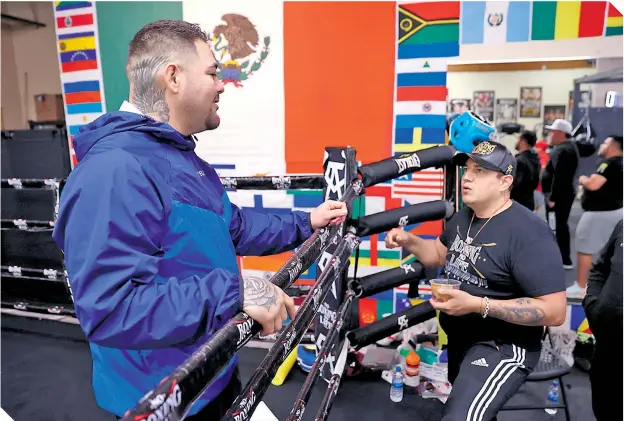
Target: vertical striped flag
x,y
554,20
428,34
81,75
495,22
614,22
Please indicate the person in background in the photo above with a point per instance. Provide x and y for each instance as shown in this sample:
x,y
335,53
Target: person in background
x,y
558,179
602,205
603,307
541,148
527,171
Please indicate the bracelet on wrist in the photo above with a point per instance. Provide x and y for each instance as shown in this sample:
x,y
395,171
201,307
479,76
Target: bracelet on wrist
x,y
486,307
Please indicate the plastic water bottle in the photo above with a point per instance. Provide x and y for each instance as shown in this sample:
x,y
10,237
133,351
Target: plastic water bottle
x,y
396,390
552,397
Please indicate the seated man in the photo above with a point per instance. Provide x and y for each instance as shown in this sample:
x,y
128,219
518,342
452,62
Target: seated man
x,y
512,285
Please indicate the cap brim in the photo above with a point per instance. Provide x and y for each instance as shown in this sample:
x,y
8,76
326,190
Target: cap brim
x,y
548,127
461,158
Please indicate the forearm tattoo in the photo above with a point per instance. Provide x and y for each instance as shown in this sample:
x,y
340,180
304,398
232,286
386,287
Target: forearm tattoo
x,y
147,97
522,311
259,292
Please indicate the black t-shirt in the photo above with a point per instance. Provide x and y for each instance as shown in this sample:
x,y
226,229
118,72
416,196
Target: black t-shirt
x,y
515,255
526,178
609,196
558,176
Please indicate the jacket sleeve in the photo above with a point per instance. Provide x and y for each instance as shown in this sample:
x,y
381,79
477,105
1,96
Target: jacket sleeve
x,y
111,221
598,295
258,234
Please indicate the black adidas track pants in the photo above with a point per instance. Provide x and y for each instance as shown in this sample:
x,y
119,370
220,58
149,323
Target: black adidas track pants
x,y
484,376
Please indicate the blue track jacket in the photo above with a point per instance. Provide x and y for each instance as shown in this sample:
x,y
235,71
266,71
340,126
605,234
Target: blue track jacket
x,y
150,241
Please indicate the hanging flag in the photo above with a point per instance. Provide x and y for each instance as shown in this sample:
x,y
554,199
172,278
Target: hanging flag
x,y
78,41
614,22
495,22
74,61
554,20
592,19
426,23
335,108
424,93
419,187
83,97
71,5
72,21
421,65
417,138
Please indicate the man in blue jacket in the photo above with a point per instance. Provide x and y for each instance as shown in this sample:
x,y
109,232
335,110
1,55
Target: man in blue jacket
x,y
150,237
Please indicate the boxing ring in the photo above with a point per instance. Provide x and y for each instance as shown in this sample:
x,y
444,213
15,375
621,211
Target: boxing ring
x,y
175,394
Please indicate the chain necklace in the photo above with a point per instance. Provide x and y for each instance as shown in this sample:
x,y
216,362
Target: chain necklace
x,y
469,239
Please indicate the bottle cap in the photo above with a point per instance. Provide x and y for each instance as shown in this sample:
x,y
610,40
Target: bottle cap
x,y
404,352
398,368
413,359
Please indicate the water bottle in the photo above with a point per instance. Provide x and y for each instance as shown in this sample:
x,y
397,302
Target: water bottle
x,y
553,397
396,390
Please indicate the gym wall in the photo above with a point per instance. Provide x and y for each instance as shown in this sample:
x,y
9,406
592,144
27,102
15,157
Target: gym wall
x,y
556,86
29,62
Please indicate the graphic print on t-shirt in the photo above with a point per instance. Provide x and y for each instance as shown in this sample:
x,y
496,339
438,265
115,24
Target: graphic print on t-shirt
x,y
462,256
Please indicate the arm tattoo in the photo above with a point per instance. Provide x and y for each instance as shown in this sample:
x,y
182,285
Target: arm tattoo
x,y
522,311
259,292
147,97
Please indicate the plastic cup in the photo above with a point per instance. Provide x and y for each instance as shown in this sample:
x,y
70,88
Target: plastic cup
x,y
439,285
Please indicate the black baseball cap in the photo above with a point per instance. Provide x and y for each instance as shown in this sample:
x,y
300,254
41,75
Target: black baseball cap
x,y
489,155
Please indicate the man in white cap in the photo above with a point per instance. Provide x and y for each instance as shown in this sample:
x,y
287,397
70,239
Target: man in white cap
x,y
558,179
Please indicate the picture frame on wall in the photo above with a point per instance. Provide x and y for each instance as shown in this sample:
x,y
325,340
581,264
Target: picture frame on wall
x,y
530,102
506,110
459,105
551,113
483,104
584,103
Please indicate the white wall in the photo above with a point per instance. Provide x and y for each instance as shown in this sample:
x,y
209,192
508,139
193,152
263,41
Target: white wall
x,y
556,86
569,49
35,68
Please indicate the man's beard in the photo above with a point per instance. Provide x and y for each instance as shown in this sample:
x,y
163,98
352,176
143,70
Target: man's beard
x,y
212,122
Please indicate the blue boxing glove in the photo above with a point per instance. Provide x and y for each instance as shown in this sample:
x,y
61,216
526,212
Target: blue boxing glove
x,y
468,130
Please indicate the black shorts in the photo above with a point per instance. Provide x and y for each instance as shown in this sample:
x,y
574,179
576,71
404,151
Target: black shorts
x,y
484,376
216,409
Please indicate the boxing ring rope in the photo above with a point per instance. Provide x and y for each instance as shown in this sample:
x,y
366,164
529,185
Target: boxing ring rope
x,y
191,378
281,182
254,390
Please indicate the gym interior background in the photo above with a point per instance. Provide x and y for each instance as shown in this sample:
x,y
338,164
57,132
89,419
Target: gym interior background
x,y
306,87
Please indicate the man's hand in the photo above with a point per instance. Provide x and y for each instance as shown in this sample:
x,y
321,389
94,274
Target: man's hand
x,y
267,304
583,179
459,303
397,237
330,212
551,205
